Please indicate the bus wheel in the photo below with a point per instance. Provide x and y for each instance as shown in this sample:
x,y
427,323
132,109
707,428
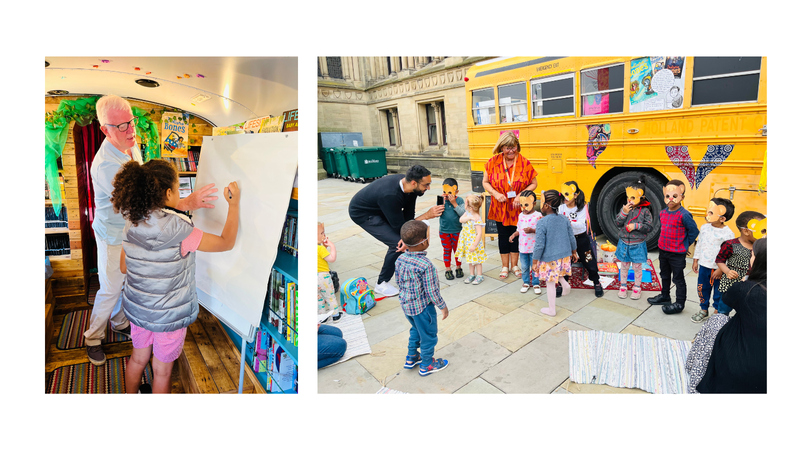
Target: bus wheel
x,y
612,197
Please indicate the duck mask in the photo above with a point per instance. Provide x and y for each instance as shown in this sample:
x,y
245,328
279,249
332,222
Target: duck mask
x,y
673,194
568,191
527,204
634,195
714,212
758,227
449,190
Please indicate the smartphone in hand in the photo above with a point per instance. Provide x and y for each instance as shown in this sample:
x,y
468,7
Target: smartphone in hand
x,y
439,200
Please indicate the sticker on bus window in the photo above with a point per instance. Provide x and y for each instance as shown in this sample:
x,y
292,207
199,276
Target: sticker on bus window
x,y
599,135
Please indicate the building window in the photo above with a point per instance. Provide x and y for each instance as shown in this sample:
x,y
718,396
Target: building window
x,y
553,96
483,106
390,125
432,134
602,90
334,66
725,80
513,103
444,125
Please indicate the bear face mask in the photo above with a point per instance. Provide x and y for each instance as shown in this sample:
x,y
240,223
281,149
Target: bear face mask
x,y
634,195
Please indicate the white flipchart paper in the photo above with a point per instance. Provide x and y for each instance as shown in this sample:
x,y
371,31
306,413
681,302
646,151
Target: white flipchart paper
x,y
232,285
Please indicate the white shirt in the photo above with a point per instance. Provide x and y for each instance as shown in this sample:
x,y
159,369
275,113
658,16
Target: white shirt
x,y
709,242
576,218
107,224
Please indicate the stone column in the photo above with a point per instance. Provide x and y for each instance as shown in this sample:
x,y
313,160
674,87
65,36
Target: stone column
x,y
394,63
355,68
403,62
396,119
419,62
437,111
346,68
323,66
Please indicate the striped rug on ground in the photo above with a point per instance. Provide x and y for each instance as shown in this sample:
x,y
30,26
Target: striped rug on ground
x,y
75,324
386,390
356,336
94,286
655,365
87,378
579,275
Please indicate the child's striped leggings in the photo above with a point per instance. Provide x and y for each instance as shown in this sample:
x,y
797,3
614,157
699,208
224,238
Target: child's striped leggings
x,y
449,245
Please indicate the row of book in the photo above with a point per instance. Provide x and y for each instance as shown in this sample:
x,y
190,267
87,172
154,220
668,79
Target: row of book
x,y
271,359
53,220
288,121
186,164
282,304
289,236
56,244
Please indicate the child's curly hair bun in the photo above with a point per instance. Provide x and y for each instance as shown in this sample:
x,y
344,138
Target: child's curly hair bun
x,y
140,189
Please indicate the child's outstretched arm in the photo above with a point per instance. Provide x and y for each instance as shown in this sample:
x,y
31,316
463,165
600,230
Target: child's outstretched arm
x,y
122,266
331,250
214,243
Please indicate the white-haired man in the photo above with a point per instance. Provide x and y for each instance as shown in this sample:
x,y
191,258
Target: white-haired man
x,y
119,147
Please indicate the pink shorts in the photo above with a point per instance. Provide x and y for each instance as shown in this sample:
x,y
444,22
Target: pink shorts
x,y
167,345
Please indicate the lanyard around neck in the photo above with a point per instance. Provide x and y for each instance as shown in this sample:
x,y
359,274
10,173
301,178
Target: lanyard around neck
x,y
513,173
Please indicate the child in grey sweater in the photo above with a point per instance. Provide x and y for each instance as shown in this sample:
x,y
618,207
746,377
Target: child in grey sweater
x,y
555,249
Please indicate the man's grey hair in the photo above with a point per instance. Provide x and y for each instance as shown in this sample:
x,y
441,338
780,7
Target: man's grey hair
x,y
108,103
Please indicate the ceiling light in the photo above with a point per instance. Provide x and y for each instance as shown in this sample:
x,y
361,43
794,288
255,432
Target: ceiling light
x,y
147,83
199,98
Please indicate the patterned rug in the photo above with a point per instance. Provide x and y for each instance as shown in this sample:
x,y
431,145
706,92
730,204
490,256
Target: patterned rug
x,y
655,365
579,275
94,286
355,334
75,324
87,378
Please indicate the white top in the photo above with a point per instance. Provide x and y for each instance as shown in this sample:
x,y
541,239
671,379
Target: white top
x,y
108,224
527,241
576,218
709,242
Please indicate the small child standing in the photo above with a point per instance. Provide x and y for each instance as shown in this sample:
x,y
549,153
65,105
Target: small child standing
x,y
526,230
555,242
470,244
419,292
327,304
158,260
733,259
678,231
574,208
635,221
712,235
450,226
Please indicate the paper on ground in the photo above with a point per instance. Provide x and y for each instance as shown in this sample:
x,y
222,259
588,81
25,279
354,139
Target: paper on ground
x,y
604,281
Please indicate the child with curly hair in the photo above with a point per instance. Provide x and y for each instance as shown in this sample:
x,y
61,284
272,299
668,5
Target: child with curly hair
x,y
159,297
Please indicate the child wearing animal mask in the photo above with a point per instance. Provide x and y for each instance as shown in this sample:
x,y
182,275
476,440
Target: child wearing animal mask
x,y
635,221
733,259
574,208
678,231
526,230
450,226
712,235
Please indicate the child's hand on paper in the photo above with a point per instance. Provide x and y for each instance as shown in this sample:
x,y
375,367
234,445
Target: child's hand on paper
x,y
231,194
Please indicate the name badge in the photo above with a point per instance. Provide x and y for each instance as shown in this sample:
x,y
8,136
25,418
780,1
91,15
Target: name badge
x,y
511,194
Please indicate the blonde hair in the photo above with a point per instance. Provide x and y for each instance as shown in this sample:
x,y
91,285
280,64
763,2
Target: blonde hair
x,y
108,103
507,139
474,202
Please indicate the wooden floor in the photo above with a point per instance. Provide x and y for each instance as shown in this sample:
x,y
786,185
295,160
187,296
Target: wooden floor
x,y
209,362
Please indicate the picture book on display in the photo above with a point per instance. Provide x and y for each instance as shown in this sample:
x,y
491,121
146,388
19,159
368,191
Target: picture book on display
x,y
282,303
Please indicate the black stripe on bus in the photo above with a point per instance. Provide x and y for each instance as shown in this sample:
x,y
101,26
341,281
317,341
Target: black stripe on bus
x,y
518,65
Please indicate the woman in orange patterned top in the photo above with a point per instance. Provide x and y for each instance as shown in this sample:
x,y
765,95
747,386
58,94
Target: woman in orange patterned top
x,y
506,174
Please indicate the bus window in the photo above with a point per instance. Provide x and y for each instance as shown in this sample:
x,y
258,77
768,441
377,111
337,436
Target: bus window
x,y
513,103
553,96
602,90
725,80
483,106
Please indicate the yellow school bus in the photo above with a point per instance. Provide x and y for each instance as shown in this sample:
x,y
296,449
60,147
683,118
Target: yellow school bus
x,y
603,121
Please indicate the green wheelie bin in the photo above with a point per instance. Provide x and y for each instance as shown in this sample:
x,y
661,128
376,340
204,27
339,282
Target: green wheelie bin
x,y
366,163
328,162
342,171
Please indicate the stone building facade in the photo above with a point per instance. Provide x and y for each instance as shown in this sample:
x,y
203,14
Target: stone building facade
x,y
415,106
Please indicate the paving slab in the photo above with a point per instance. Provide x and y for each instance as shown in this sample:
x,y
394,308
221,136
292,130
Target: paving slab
x,y
346,262
478,386
539,367
674,326
602,314
385,325
575,300
461,293
348,377
464,320
535,306
503,301
469,357
579,388
517,328
495,273
387,357
633,329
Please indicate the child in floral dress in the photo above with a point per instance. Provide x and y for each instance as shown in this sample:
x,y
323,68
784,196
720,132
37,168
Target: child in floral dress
x,y
470,242
555,242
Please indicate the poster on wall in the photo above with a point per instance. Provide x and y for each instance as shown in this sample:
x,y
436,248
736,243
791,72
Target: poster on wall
x,y
290,120
174,135
656,83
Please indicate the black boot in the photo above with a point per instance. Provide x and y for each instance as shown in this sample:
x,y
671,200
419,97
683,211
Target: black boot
x,y
559,289
672,308
598,290
659,299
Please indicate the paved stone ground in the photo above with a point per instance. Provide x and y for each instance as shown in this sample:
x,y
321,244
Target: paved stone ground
x,y
495,338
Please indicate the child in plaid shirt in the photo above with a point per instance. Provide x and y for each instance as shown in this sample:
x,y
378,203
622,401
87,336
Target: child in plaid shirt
x,y
419,291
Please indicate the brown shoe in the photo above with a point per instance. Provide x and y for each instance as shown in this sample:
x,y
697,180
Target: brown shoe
x,y
96,355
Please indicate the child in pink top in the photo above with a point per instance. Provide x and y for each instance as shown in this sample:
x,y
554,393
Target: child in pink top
x,y
526,230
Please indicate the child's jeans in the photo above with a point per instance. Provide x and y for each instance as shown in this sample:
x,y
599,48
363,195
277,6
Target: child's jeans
x,y
529,276
704,289
424,334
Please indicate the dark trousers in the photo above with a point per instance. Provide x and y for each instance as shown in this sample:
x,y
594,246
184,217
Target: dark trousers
x,y
382,231
587,257
503,233
672,266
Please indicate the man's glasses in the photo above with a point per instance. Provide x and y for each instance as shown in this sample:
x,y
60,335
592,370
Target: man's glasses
x,y
123,127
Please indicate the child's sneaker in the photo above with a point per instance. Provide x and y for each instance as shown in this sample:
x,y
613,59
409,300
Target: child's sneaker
x,y
636,293
700,317
623,292
469,279
145,389
459,272
525,288
336,317
478,280
438,364
449,275
537,289
412,361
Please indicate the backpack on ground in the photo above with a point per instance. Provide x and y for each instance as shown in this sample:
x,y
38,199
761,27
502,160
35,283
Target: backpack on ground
x,y
356,296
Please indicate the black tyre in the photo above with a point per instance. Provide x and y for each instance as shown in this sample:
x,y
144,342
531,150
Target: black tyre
x,y
612,197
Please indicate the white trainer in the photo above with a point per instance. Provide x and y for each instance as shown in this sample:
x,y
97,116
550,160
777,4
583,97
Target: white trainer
x,y
386,290
525,288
